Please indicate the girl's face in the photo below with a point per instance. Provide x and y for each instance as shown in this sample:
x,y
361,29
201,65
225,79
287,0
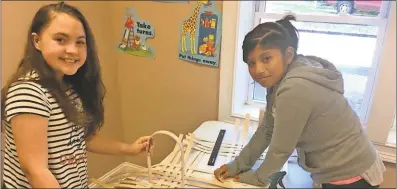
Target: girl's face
x,y
62,44
267,66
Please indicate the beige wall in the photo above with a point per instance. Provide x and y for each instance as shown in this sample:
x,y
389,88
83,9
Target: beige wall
x,y
389,176
165,93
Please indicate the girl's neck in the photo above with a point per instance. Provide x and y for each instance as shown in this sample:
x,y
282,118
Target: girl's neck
x,y
59,76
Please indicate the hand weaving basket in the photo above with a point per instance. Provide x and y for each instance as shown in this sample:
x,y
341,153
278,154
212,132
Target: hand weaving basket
x,y
149,164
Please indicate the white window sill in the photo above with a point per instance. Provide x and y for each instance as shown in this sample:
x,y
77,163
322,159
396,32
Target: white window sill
x,y
242,110
387,153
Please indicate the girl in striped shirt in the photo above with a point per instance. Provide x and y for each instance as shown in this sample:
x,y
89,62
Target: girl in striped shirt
x,y
53,105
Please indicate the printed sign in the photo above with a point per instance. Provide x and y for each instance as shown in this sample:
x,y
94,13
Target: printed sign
x,y
200,35
135,34
181,1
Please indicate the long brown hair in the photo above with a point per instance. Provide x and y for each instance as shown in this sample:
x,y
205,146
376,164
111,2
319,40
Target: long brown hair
x,y
87,81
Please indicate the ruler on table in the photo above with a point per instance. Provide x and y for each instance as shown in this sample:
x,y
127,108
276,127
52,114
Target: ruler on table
x,y
216,148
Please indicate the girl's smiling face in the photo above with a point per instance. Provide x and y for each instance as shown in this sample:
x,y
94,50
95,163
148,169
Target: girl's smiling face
x,y
62,44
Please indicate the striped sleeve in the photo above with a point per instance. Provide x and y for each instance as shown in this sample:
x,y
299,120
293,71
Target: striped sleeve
x,y
26,98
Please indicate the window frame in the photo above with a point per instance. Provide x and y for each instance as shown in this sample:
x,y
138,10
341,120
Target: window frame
x,y
392,135
235,80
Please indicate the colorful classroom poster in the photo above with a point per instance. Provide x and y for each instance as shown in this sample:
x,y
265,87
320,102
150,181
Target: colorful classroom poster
x,y
200,35
181,1
135,34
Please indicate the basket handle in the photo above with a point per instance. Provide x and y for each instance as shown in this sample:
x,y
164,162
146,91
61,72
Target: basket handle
x,y
172,135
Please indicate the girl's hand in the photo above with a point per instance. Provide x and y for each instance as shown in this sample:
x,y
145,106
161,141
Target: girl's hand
x,y
221,173
140,145
236,178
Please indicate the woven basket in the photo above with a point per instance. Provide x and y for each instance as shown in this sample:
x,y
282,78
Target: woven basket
x,y
149,164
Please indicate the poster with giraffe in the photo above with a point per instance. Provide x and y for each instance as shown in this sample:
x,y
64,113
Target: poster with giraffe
x,y
135,33
200,35
181,1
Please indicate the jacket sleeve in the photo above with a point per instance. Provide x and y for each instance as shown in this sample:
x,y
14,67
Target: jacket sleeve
x,y
255,147
293,108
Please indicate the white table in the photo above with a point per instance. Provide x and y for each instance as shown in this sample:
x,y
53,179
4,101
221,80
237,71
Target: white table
x,y
207,131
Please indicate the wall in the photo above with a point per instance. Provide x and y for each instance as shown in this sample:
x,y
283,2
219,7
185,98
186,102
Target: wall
x,y
165,93
389,180
16,18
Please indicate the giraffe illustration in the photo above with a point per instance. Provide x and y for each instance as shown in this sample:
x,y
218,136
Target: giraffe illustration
x,y
189,26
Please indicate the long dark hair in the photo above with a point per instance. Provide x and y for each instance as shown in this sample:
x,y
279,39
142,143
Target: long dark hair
x,y
87,81
280,34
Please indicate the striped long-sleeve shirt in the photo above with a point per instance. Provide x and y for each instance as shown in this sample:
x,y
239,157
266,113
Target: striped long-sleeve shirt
x,y
67,158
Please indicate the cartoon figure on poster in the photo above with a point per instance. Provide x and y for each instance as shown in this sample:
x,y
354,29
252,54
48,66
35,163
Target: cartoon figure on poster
x,y
135,34
201,35
180,1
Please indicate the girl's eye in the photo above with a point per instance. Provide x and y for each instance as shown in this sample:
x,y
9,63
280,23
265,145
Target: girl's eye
x,y
81,42
250,63
60,40
266,59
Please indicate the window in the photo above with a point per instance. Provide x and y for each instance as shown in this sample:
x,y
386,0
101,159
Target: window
x,y
391,139
360,42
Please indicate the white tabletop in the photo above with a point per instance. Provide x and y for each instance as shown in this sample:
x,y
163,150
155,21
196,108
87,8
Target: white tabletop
x,y
207,131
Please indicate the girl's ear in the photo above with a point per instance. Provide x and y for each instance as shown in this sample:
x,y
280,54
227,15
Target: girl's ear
x,y
289,54
36,41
